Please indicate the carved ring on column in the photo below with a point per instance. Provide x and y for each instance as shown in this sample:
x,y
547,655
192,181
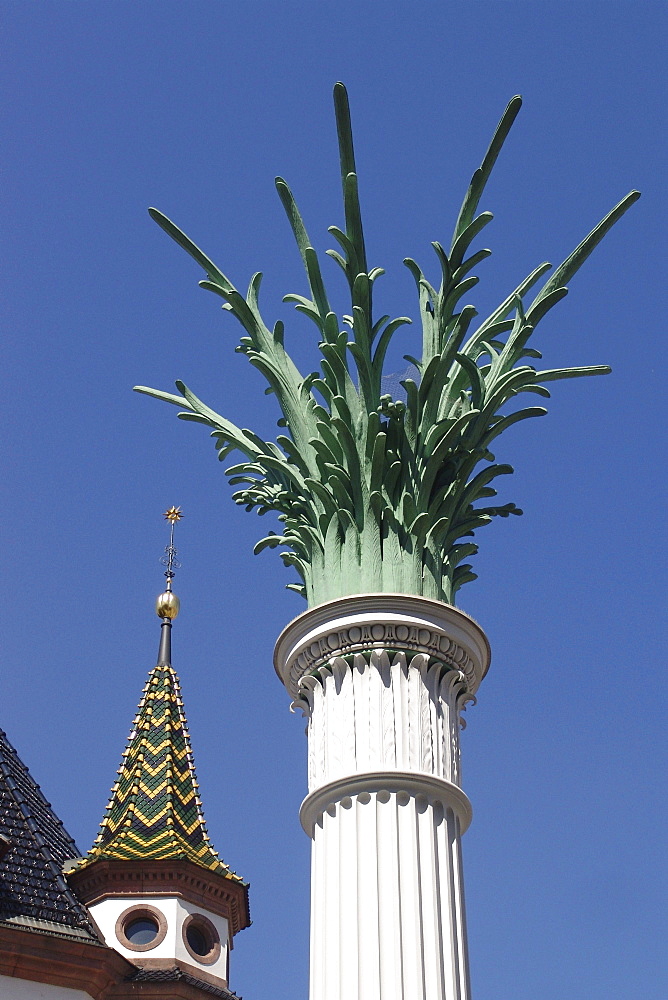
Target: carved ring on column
x,y
376,782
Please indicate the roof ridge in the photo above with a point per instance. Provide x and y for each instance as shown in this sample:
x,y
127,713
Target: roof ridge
x,y
38,846
32,824
19,797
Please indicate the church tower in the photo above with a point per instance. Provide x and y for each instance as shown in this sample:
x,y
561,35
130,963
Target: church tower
x,y
152,880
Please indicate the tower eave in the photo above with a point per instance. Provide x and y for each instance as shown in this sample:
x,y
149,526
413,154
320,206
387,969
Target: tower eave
x,y
224,895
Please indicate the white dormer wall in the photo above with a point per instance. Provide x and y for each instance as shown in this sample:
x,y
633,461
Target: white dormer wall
x,y
24,989
172,947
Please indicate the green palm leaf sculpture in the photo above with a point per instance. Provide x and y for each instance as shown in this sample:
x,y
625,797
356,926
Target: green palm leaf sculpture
x,y
374,493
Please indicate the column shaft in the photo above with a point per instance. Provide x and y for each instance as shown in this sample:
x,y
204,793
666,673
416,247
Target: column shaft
x,y
385,811
387,900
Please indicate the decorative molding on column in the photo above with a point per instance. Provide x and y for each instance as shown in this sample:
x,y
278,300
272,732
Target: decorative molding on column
x,y
395,622
426,789
376,712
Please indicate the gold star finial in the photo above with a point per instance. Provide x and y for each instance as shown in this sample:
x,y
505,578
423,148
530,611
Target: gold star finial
x,y
173,515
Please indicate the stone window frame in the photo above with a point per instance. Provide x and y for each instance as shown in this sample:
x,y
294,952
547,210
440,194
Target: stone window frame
x,y
210,931
136,912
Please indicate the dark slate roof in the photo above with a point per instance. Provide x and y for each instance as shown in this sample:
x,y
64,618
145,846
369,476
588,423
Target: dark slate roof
x,y
33,892
176,974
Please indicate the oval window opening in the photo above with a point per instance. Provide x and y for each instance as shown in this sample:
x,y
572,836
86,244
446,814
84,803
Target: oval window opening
x,y
142,930
198,940
201,939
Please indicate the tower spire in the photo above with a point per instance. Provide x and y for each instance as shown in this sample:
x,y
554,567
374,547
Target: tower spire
x,y
155,810
152,880
167,605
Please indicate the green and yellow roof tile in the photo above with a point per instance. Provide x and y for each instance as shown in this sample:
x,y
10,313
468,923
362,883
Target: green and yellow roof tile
x,y
155,811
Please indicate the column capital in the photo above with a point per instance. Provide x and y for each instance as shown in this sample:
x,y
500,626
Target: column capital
x,y
364,622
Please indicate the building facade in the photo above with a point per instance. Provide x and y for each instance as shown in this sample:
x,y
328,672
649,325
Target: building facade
x,y
150,910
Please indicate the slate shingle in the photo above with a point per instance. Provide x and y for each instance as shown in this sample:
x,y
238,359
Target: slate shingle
x,y
175,975
32,886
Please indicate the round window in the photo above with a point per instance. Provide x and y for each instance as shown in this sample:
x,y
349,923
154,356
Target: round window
x,y
141,928
201,939
198,940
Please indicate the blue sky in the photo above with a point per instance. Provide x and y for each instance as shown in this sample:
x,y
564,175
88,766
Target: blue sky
x,y
110,108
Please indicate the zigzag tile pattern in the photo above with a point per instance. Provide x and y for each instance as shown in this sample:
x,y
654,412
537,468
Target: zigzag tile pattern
x,y
155,810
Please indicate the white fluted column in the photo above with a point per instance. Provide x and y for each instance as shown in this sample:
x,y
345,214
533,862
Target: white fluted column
x,y
382,679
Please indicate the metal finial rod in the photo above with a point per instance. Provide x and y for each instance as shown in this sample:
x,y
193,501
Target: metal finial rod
x,y
167,604
169,560
165,647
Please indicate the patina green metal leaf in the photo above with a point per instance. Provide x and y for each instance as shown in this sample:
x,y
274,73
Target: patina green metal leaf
x,y
376,492
481,176
184,241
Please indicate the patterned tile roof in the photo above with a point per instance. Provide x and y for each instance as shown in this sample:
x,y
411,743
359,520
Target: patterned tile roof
x,y
154,810
33,892
176,975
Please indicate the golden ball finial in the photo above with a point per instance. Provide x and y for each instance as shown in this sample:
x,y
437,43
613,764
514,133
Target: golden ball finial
x,y
167,604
